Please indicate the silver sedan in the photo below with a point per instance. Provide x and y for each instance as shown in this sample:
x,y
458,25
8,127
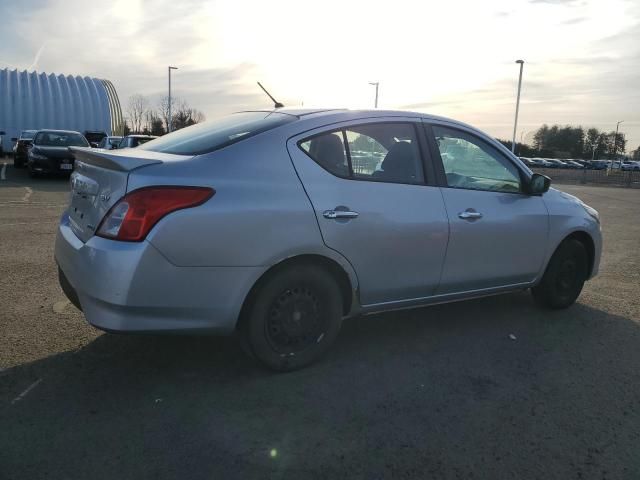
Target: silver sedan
x,y
277,225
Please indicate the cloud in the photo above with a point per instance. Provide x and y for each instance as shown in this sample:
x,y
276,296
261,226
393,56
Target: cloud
x,y
559,2
575,21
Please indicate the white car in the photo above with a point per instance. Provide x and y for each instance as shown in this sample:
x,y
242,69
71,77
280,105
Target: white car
x,y
109,143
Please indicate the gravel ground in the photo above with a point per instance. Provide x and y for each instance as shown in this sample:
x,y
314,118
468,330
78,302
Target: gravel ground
x,y
439,392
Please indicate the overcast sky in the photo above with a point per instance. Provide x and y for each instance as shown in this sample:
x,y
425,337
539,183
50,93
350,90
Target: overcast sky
x,y
453,58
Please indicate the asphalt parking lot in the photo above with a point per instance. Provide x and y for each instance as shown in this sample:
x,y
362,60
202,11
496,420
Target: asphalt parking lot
x,y
439,392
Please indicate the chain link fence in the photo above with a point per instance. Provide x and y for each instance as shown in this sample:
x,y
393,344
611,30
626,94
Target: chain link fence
x,y
616,178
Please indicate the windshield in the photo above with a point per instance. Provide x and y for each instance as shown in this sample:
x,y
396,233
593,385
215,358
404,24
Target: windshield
x,y
208,136
60,139
27,135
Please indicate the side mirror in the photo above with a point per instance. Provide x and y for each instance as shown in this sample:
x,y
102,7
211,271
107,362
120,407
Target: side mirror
x,y
538,184
14,139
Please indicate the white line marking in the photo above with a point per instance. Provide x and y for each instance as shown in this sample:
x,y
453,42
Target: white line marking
x,y
28,193
26,223
24,394
3,173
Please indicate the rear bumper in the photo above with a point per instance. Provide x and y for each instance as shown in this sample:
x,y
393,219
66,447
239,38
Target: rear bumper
x,y
132,287
49,165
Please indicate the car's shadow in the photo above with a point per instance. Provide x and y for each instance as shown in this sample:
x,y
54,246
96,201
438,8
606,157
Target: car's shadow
x,y
19,177
493,385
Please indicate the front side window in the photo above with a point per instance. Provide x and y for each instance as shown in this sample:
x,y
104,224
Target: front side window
x,y
471,163
384,152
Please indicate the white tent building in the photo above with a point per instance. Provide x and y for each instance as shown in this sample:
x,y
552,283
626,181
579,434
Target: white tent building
x,y
32,100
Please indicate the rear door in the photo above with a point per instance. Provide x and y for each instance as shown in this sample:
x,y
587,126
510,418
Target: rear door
x,y
376,205
498,235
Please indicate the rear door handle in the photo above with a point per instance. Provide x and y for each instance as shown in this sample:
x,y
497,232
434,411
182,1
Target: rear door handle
x,y
469,215
332,214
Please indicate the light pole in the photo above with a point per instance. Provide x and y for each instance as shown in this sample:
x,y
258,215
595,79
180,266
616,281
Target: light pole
x,y
515,123
169,68
377,84
615,141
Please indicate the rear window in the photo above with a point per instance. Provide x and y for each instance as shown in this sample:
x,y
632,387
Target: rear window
x,y
135,141
215,134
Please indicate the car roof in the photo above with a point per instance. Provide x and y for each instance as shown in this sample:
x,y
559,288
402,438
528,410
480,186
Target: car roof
x,y
334,115
136,135
49,130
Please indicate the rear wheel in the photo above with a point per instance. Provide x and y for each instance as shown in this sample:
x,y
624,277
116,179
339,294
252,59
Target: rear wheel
x,y
293,318
17,163
564,278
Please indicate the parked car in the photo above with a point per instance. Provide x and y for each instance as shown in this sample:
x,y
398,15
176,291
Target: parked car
x,y
555,163
50,152
529,162
599,164
583,163
94,137
2,133
258,224
132,141
21,147
541,162
629,165
574,164
109,143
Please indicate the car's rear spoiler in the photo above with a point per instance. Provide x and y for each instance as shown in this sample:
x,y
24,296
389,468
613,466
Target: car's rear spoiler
x,y
123,160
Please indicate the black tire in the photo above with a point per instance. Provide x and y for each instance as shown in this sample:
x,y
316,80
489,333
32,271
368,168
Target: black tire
x,y
32,172
18,163
293,318
564,277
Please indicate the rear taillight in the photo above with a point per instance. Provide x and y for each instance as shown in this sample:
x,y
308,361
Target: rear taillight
x,y
135,214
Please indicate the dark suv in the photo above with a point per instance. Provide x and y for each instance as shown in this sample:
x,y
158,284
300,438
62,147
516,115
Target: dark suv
x,y
94,137
21,149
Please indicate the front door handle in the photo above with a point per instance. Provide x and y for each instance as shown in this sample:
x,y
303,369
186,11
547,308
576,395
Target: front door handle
x,y
332,214
469,214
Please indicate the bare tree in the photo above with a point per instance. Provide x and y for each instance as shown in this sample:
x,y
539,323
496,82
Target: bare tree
x,y
163,110
153,123
136,111
182,115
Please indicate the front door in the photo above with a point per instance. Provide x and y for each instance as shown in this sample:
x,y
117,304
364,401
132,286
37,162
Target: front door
x,y
367,185
498,234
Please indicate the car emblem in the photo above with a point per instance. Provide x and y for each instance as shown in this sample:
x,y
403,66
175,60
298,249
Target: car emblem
x,y
105,198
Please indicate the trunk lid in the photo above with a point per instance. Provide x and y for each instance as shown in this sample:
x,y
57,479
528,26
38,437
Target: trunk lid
x,y
99,180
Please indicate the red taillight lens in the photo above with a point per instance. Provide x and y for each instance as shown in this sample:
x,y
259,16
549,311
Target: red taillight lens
x,y
137,212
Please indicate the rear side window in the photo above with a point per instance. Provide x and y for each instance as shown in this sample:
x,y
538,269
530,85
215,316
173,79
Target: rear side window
x,y
215,134
329,152
380,152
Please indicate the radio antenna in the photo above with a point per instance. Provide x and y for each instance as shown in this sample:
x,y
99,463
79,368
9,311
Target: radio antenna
x,y
276,104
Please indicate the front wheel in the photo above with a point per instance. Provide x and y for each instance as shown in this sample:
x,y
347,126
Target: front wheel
x,y
293,318
564,278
